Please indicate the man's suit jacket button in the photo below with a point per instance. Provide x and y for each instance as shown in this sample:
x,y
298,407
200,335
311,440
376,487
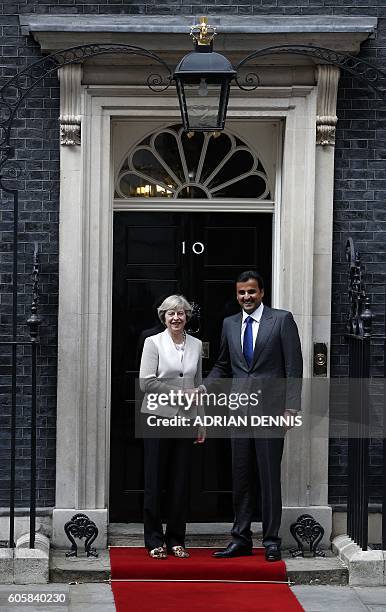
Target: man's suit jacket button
x,y
181,374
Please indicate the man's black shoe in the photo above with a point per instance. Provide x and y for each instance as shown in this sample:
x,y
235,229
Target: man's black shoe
x,y
233,550
272,553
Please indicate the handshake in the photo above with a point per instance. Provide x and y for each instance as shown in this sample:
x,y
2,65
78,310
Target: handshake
x,y
192,396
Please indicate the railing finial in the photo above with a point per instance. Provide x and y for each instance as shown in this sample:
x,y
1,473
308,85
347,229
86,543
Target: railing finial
x,y
34,321
360,316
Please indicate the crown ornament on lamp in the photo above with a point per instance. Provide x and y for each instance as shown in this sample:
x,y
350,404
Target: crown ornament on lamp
x,y
202,32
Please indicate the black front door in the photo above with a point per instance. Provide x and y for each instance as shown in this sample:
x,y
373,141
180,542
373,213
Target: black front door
x,y
156,255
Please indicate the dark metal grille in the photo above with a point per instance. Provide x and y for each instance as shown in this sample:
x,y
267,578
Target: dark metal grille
x,y
360,340
358,442
384,451
14,344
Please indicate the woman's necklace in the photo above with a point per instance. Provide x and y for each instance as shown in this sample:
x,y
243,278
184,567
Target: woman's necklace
x,y
180,347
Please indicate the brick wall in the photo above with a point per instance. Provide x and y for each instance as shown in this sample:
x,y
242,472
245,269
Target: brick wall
x,y
360,183
36,141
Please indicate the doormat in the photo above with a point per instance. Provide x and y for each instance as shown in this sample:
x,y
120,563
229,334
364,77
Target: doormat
x,y
200,583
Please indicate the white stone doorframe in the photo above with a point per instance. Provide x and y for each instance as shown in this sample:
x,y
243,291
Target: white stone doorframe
x,y
86,211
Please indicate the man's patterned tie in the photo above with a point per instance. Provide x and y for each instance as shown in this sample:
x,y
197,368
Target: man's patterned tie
x,y
248,341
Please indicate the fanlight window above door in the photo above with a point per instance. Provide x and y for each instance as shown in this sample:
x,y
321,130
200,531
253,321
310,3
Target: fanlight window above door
x,y
173,164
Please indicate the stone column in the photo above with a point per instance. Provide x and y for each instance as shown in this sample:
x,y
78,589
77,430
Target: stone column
x,y
307,451
78,470
326,120
305,464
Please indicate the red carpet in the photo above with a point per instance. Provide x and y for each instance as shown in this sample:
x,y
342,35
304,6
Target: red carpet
x,y
134,563
203,597
199,583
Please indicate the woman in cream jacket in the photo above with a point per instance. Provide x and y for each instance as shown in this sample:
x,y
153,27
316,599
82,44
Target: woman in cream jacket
x,y
171,360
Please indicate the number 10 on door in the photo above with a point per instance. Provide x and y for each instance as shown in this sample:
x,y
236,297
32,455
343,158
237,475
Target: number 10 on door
x,y
197,247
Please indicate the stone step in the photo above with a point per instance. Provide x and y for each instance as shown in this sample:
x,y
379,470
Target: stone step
x,y
316,570
79,569
309,570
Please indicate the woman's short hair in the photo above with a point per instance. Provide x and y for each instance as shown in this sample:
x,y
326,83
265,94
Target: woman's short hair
x,y
174,302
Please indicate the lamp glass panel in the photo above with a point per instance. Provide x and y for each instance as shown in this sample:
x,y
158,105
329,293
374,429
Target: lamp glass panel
x,y
202,104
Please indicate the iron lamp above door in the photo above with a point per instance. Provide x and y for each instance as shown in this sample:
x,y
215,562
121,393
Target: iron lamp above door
x,y
203,80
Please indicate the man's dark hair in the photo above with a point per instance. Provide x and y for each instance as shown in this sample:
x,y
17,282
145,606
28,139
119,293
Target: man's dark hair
x,y
247,275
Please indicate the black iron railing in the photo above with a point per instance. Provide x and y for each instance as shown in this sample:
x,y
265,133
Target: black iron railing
x,y
14,343
358,442
359,340
384,447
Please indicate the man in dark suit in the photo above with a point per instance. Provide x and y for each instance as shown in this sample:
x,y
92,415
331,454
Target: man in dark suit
x,y
260,344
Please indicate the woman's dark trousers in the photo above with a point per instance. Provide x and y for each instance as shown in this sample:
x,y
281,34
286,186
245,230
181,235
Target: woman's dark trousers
x,y
166,466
